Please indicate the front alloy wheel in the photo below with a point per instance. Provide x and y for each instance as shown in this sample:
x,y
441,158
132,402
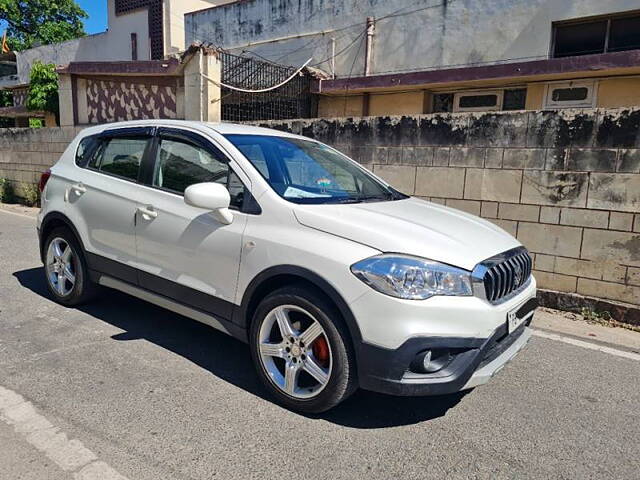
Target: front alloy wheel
x,y
294,351
302,350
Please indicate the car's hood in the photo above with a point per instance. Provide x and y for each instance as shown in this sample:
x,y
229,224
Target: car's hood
x,y
413,227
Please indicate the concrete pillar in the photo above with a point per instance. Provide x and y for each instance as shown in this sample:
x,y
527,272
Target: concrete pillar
x,y
202,97
65,96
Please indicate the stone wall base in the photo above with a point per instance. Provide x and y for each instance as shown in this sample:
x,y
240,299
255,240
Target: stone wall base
x,y
572,302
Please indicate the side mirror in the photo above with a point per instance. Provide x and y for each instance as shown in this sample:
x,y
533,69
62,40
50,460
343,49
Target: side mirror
x,y
210,196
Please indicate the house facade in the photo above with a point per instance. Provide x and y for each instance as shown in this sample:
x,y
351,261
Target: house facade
x,y
138,30
425,56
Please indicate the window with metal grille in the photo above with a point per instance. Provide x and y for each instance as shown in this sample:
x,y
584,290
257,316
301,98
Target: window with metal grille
x,y
614,33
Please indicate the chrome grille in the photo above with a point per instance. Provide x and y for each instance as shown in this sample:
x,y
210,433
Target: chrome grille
x,y
504,274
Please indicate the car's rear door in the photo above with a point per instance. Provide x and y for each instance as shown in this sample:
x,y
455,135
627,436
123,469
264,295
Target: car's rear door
x,y
103,197
184,253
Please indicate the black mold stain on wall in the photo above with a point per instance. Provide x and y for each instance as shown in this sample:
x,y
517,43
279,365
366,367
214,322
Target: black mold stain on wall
x,y
619,130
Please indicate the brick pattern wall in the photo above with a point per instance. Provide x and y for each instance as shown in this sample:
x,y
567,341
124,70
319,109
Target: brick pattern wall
x,y
566,184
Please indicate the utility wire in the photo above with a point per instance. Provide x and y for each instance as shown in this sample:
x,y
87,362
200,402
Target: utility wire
x,y
262,90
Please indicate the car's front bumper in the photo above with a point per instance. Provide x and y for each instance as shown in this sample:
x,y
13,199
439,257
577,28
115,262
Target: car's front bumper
x,y
474,362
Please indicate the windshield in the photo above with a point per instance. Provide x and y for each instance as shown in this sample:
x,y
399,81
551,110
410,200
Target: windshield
x,y
304,171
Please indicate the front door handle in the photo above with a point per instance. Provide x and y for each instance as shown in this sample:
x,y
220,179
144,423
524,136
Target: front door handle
x,y
148,213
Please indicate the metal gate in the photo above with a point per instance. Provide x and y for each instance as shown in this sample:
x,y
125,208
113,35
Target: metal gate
x,y
292,100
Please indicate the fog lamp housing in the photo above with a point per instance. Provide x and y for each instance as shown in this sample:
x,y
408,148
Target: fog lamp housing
x,y
431,361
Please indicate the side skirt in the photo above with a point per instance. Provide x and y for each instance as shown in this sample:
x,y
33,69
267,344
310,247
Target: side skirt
x,y
164,302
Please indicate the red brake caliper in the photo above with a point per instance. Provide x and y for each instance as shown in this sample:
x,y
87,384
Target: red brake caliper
x,y
321,351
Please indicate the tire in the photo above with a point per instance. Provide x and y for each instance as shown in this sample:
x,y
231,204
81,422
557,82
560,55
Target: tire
x,y
331,350
77,287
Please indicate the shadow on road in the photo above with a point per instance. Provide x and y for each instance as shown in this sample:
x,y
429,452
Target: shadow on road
x,y
229,359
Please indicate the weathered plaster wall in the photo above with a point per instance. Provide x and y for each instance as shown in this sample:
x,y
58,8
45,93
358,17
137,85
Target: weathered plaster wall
x,y
436,33
173,13
567,184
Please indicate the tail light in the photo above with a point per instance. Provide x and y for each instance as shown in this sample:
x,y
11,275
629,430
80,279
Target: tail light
x,y
44,178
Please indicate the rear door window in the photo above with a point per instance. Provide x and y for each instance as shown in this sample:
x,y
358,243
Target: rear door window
x,y
120,156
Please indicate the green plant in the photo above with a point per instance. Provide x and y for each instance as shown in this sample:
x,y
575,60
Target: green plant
x,y
43,88
36,123
592,316
7,194
30,194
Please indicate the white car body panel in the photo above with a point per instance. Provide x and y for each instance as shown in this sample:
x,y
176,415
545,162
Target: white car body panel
x,y
413,227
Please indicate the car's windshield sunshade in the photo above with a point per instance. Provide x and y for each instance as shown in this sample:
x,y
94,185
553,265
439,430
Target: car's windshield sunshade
x,y
304,171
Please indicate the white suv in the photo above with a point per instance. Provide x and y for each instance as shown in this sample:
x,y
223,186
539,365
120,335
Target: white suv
x,y
334,278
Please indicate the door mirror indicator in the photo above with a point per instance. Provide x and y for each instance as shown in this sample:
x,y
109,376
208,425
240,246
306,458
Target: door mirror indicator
x,y
210,196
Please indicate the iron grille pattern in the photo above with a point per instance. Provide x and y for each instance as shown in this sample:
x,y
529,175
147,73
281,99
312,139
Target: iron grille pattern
x,y
506,277
292,100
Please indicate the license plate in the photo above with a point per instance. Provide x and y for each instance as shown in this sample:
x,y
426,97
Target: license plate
x,y
513,321
518,315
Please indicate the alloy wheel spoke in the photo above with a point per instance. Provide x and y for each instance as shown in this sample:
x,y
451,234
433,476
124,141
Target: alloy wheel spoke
x,y
272,350
311,333
66,255
69,275
57,251
286,330
291,372
61,283
316,371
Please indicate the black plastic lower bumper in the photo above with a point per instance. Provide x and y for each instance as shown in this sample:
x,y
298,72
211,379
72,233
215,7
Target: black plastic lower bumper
x,y
388,371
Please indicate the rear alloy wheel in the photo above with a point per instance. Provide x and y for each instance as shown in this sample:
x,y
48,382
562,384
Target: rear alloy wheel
x,y
60,267
66,270
302,351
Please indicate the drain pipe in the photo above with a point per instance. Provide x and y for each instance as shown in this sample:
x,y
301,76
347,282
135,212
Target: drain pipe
x,y
371,26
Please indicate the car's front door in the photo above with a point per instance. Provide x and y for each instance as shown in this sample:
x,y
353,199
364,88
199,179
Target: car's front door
x,y
184,253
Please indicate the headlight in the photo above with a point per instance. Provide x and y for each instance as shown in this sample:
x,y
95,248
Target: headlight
x,y
412,278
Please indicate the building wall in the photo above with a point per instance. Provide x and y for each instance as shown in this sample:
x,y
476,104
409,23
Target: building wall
x,y
174,11
112,45
434,34
611,93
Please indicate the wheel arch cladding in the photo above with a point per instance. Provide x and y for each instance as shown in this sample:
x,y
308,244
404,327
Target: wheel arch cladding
x,y
276,277
52,221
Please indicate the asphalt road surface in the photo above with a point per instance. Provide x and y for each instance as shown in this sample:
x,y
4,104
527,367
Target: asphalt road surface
x,y
121,389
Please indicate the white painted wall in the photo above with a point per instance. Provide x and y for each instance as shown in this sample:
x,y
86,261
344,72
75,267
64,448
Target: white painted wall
x,y
443,33
174,10
114,44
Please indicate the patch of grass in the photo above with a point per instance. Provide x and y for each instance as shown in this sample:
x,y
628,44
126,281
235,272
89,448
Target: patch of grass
x,y
31,194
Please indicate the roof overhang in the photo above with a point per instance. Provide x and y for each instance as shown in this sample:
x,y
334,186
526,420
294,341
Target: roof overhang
x,y
618,63
169,67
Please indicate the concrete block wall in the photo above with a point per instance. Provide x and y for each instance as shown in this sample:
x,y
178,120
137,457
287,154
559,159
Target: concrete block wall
x,y
27,152
566,184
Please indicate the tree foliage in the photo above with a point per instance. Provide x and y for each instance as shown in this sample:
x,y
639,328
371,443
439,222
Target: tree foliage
x,y
43,88
34,22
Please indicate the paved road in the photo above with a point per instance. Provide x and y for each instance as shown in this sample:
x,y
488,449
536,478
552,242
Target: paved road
x,y
122,389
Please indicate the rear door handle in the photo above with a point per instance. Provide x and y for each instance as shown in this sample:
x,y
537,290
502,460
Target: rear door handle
x,y
148,213
79,189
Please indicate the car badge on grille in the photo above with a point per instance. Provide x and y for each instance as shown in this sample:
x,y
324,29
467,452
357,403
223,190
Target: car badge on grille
x,y
517,274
